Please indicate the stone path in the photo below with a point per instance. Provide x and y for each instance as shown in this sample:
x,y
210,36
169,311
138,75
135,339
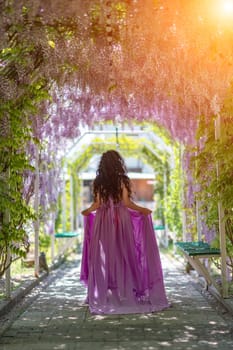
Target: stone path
x,y
57,319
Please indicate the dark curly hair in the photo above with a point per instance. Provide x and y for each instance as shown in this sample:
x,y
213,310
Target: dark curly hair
x,y
110,176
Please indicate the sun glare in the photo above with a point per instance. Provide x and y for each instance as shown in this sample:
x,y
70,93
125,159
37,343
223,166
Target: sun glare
x,y
228,6
222,12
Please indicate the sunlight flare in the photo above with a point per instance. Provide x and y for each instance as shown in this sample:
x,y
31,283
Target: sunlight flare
x,y
227,6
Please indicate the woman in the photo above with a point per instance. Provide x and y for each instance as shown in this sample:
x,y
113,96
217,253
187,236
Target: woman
x,y
120,264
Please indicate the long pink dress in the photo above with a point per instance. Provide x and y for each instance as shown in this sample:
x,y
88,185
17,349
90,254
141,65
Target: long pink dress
x,y
121,265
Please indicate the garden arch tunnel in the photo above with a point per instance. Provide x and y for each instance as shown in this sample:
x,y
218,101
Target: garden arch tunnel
x,y
145,144
77,157
78,61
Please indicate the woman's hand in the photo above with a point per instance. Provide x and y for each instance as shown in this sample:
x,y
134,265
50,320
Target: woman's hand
x,y
146,211
85,212
93,207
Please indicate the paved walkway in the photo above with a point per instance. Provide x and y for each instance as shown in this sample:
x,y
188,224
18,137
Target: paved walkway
x,y
57,319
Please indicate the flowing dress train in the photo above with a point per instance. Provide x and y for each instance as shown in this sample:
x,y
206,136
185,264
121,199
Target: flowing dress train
x,y
121,264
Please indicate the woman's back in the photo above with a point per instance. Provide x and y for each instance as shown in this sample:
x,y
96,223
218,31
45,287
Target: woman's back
x,y
120,264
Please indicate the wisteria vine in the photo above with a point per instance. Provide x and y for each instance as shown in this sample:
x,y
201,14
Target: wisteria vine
x,y
94,61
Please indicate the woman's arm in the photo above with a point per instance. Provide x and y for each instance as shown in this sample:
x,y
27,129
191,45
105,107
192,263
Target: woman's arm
x,y
95,205
130,204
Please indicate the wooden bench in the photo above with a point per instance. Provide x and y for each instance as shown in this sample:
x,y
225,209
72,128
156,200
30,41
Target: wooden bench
x,y
70,238
159,227
161,235
194,253
66,234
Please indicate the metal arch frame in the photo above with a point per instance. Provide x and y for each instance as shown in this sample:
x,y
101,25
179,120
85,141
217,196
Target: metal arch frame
x,y
151,135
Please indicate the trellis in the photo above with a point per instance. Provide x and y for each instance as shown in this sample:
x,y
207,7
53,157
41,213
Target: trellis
x,y
90,89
